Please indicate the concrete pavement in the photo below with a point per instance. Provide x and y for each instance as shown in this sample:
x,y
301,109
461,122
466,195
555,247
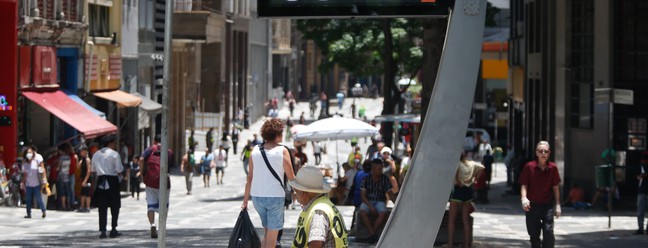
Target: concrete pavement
x,y
207,217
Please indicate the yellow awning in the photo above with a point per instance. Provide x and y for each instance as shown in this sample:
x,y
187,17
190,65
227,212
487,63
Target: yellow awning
x,y
122,99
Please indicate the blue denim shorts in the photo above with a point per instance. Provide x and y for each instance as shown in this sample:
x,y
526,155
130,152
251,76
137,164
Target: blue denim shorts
x,y
381,207
271,211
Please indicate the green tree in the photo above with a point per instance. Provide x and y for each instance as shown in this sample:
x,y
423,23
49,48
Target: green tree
x,y
363,47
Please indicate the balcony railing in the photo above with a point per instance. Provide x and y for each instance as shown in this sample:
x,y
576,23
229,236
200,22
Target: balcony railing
x,y
64,10
199,5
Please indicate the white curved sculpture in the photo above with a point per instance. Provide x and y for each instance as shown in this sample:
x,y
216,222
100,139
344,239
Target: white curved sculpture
x,y
419,209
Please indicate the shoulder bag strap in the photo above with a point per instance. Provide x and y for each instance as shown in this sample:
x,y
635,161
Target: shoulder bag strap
x,y
265,158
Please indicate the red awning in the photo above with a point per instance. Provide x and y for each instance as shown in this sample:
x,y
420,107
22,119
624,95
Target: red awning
x,y
71,112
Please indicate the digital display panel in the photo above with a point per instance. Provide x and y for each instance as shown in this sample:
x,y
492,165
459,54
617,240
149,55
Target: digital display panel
x,y
352,8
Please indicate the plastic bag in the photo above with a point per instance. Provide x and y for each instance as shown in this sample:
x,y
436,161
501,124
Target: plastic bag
x,y
244,235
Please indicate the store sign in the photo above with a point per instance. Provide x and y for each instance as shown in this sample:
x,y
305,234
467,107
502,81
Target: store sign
x,y
618,96
623,97
4,104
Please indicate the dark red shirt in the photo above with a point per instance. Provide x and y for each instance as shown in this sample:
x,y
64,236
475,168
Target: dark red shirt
x,y
539,182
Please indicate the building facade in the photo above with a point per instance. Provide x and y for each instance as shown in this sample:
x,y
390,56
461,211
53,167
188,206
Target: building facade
x,y
51,35
562,54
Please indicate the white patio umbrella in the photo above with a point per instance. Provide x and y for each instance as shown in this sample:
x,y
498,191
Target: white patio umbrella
x,y
335,128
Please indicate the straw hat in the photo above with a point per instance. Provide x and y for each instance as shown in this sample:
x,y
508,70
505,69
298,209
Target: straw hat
x,y
310,179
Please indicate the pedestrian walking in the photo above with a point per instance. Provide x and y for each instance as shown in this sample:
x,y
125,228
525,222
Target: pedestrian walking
x,y
245,156
235,138
150,164
317,152
220,162
188,163
320,223
461,198
255,140
540,195
302,119
66,167
108,167
191,141
134,176
340,98
33,179
86,179
206,164
642,193
209,138
264,183
226,143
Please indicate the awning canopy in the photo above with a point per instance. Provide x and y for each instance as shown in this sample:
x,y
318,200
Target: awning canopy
x,y
149,105
84,104
71,112
122,99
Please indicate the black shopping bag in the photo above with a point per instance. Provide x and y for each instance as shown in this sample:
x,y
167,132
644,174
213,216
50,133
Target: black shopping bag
x,y
244,235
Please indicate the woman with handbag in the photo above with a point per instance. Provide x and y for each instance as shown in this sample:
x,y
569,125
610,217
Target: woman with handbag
x,y
268,164
34,176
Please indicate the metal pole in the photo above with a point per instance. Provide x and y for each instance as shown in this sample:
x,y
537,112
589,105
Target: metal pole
x,y
612,189
91,44
164,165
493,142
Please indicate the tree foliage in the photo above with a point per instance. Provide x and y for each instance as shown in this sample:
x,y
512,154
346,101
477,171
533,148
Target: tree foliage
x,y
357,45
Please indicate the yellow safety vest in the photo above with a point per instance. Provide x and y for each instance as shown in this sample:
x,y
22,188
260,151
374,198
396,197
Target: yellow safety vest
x,y
336,223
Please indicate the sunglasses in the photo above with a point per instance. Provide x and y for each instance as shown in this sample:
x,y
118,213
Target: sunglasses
x,y
543,151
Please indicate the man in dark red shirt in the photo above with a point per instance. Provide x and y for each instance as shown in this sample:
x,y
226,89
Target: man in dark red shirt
x,y
540,196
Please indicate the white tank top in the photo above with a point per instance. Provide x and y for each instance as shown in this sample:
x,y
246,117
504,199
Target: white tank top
x,y
264,184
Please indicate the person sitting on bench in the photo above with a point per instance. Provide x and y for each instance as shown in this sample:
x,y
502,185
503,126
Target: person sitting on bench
x,y
373,194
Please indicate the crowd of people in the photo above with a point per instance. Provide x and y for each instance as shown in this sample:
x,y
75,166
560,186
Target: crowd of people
x,y
368,181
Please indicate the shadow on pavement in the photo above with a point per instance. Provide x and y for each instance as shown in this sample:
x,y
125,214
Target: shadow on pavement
x,y
237,198
217,237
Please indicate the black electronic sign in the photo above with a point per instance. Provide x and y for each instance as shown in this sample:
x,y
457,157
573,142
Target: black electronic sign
x,y
352,8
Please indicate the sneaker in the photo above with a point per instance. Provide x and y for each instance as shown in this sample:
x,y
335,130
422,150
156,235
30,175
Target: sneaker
x,y
44,215
278,244
154,232
115,233
28,216
638,232
103,235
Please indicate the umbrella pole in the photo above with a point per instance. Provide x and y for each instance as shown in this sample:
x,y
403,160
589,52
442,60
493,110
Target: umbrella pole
x,y
337,159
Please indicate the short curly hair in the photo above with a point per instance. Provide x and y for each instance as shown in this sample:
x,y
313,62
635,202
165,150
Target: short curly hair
x,y
271,129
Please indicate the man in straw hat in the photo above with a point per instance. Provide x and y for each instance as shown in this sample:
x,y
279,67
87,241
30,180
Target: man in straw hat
x,y
320,223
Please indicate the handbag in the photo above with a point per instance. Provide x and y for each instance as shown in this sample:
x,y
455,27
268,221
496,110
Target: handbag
x,y
287,190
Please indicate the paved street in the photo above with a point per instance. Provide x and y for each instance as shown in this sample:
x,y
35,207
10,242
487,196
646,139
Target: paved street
x,y
207,217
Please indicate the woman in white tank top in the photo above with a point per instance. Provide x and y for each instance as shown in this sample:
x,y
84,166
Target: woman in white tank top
x,y
266,191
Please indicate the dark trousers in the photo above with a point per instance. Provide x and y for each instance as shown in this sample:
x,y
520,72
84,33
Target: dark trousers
x,y
103,218
234,145
107,198
540,218
134,186
318,158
